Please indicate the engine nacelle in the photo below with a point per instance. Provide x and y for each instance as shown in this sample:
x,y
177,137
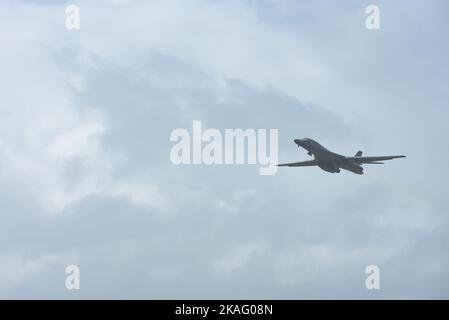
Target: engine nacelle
x,y
329,168
353,167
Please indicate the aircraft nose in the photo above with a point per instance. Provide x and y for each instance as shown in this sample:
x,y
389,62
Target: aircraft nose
x,y
297,141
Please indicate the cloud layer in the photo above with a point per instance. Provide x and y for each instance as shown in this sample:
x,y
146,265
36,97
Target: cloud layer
x,y
84,150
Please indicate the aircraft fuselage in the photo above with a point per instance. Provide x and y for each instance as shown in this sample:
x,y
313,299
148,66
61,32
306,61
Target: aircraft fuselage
x,y
327,160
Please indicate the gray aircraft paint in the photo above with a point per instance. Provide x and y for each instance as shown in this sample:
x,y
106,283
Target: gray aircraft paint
x,y
332,162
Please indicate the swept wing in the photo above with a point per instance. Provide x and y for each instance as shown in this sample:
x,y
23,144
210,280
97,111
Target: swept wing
x,y
299,164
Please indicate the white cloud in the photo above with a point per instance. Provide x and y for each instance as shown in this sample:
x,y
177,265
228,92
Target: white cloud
x,y
84,138
17,270
239,257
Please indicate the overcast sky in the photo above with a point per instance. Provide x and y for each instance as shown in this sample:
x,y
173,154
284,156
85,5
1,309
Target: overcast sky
x,y
86,176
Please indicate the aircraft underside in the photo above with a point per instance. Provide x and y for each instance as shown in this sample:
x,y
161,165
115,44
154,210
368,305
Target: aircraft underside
x,y
335,168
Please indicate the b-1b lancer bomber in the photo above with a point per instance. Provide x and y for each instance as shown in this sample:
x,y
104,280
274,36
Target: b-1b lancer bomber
x,y
333,162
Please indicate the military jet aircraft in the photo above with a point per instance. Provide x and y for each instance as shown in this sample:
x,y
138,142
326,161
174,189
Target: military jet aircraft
x,y
333,162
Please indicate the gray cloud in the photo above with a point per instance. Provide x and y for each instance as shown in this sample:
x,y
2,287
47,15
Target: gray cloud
x,y
84,153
